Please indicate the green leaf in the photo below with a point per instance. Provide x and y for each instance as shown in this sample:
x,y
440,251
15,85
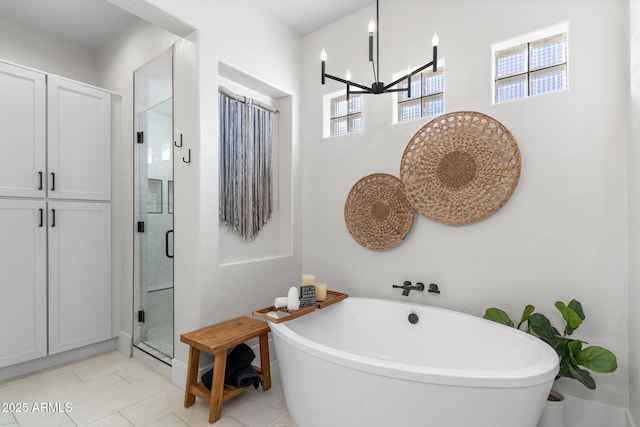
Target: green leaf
x,y
572,318
581,375
497,315
574,348
541,326
577,307
597,359
528,310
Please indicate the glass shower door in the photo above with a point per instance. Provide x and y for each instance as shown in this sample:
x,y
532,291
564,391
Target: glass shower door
x,y
155,230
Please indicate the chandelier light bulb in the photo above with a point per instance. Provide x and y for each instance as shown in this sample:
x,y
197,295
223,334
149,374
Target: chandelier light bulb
x,y
323,54
347,76
435,40
372,26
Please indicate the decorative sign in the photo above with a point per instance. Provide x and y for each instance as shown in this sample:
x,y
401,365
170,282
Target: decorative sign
x,y
307,296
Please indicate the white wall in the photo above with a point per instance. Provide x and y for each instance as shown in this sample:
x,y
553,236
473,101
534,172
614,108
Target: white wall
x,y
563,233
634,209
32,48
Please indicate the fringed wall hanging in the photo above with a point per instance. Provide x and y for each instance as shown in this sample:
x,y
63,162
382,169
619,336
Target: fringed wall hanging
x,y
246,136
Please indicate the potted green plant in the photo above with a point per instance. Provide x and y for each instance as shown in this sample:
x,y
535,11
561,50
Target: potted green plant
x,y
573,355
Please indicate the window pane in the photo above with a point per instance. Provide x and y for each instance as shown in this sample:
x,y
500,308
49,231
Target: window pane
x,y
409,111
433,106
511,62
339,126
339,106
355,123
415,89
548,80
433,83
355,104
548,52
510,89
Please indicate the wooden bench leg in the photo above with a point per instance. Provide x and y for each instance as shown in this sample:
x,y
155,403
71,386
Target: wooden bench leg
x,y
192,376
217,386
265,365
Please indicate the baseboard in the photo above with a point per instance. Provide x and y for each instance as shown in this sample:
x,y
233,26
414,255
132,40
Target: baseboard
x,y
586,413
58,359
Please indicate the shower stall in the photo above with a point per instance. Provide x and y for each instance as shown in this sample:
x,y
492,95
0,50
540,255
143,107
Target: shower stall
x,y
153,205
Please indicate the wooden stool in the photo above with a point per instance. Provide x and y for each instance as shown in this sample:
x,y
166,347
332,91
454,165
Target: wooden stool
x,y
216,340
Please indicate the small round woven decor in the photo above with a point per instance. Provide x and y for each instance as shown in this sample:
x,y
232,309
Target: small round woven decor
x,y
377,213
460,167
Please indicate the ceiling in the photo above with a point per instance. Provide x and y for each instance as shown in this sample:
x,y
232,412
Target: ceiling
x,y
91,22
307,16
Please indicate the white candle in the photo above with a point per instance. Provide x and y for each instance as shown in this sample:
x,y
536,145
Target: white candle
x,y
321,291
308,279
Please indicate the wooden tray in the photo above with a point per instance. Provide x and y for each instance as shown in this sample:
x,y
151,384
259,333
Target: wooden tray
x,y
332,298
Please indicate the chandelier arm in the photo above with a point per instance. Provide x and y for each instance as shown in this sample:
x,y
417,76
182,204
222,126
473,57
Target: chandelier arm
x,y
341,80
386,88
375,75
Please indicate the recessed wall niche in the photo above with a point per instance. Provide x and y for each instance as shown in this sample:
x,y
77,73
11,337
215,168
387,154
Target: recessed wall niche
x,y
276,238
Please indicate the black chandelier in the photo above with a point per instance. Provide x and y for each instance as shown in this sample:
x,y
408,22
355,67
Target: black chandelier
x,y
377,87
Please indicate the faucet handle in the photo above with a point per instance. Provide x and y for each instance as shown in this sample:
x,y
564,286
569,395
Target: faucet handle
x,y
433,288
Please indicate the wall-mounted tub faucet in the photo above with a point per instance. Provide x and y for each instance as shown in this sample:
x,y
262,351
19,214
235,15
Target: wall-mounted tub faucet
x,y
407,287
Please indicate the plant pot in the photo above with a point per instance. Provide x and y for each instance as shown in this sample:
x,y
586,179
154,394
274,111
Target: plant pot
x,y
553,413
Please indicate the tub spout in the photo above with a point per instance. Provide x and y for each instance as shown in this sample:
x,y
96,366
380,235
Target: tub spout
x,y
407,287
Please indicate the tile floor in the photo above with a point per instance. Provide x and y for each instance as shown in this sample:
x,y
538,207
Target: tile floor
x,y
112,390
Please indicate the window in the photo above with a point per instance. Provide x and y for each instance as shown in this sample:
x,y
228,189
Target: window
x,y
531,68
345,117
427,96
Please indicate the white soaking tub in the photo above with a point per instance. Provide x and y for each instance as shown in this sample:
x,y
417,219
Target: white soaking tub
x,y
361,363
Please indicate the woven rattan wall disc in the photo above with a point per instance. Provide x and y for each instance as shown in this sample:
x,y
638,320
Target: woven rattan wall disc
x,y
377,212
460,167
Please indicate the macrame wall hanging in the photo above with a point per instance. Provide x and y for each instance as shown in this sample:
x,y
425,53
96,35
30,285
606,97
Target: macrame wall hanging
x,y
246,136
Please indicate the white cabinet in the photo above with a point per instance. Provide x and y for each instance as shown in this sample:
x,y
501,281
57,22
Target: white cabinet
x,y
79,274
79,141
22,132
55,172
23,282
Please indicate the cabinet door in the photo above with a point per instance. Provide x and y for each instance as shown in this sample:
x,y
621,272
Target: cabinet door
x,y
22,132
79,274
23,286
79,138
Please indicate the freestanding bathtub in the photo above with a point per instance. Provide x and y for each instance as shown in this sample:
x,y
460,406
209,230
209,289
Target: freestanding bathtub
x,y
361,363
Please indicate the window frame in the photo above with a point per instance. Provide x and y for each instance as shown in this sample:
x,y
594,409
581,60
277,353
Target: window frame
x,y
349,116
423,98
526,47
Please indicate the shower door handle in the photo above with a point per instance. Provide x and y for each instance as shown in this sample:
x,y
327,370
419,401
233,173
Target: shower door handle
x,y
166,244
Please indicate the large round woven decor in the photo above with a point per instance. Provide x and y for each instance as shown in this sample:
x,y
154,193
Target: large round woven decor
x,y
460,167
377,213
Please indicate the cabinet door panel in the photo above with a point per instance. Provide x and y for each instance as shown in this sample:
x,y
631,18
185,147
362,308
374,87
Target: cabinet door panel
x,y
23,284
22,132
79,274
79,137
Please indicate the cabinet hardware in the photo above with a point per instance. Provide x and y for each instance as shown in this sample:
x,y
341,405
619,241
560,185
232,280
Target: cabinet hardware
x,y
189,156
176,142
40,180
53,217
140,137
53,181
41,217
